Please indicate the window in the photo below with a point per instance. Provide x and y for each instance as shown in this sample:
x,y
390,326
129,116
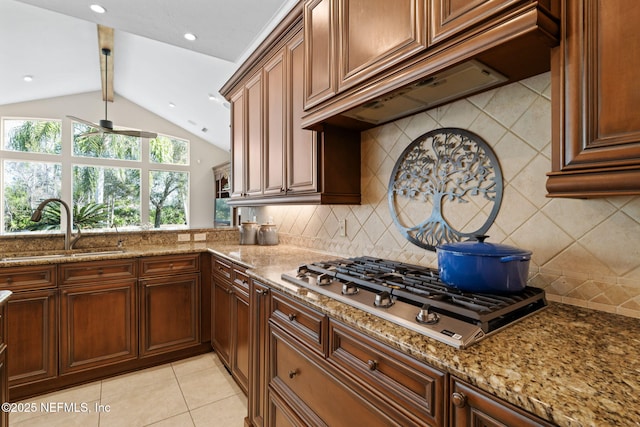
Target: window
x,y
32,136
106,178
25,185
104,196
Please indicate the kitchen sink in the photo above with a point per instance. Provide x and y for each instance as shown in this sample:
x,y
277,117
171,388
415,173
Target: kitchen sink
x,y
61,255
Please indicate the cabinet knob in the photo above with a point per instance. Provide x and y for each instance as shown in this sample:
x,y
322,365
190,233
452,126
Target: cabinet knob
x,y
292,316
282,190
459,400
100,271
9,279
293,373
262,291
229,291
373,364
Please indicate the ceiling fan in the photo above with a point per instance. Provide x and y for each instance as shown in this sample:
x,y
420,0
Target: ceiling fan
x,y
106,126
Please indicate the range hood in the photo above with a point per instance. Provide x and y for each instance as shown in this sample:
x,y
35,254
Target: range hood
x,y
453,83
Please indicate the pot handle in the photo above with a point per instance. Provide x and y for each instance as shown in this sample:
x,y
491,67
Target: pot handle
x,y
515,258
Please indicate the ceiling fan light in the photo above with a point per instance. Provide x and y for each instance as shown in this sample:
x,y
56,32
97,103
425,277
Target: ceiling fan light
x,y
97,8
190,36
28,78
172,105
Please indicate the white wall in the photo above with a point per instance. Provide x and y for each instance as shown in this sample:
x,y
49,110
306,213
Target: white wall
x,y
123,113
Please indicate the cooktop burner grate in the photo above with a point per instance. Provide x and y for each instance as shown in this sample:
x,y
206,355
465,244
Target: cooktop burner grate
x,y
422,287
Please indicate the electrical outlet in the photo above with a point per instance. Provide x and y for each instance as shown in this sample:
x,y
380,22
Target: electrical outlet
x,y
198,237
184,237
342,224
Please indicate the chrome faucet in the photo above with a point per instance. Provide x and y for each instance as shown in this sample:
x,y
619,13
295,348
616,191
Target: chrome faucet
x,y
68,240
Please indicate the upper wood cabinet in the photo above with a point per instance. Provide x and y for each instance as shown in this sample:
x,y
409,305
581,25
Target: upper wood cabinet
x,y
450,17
319,34
375,53
348,41
274,159
595,99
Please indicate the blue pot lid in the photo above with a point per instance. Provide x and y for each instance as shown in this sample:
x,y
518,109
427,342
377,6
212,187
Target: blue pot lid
x,y
473,247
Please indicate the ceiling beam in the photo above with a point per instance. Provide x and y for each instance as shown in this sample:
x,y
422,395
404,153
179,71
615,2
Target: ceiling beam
x,y
105,41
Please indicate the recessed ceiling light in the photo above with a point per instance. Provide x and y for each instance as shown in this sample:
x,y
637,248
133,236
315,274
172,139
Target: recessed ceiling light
x,y
189,36
28,78
172,105
97,8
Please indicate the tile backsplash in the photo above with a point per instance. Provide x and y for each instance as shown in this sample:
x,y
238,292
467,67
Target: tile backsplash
x,y
585,252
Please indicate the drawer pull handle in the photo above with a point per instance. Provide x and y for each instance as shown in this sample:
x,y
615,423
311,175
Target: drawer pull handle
x,y
292,317
293,373
459,400
9,279
373,364
100,271
262,292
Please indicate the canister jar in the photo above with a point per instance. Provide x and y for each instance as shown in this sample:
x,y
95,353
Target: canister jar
x,y
248,233
267,235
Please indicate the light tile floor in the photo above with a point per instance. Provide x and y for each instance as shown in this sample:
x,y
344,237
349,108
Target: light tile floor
x,y
195,392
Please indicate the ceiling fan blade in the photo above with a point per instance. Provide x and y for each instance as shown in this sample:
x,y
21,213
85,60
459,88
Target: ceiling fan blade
x,y
136,133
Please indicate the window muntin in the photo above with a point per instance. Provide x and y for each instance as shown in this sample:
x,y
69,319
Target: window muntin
x,y
169,151
32,136
104,146
168,198
26,184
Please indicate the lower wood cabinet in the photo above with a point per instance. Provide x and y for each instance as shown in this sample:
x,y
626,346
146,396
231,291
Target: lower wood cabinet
x,y
307,369
317,397
230,318
4,374
471,407
75,322
32,336
98,325
169,313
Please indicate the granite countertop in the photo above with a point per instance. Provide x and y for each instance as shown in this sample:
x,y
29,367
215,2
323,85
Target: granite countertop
x,y
569,365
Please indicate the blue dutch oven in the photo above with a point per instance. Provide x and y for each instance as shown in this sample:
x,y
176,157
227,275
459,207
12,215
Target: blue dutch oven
x,y
478,266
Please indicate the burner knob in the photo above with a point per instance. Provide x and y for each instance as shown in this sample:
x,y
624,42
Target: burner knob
x,y
426,316
383,299
323,280
349,289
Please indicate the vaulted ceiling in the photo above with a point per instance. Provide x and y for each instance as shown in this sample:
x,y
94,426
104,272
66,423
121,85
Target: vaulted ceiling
x,y
56,42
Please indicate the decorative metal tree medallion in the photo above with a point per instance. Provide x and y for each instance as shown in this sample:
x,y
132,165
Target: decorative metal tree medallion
x,y
445,187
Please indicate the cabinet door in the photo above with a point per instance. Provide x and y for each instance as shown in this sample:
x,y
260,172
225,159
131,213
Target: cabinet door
x,y
221,319
98,325
376,34
473,407
238,131
31,336
240,337
254,139
302,160
451,17
319,48
169,313
595,98
275,113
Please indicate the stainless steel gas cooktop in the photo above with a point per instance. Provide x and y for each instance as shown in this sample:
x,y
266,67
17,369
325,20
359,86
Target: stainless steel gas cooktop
x,y
414,297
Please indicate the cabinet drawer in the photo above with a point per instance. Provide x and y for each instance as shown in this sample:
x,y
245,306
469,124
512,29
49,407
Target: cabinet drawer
x,y
313,393
170,264
414,390
308,325
21,278
222,269
82,272
241,280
